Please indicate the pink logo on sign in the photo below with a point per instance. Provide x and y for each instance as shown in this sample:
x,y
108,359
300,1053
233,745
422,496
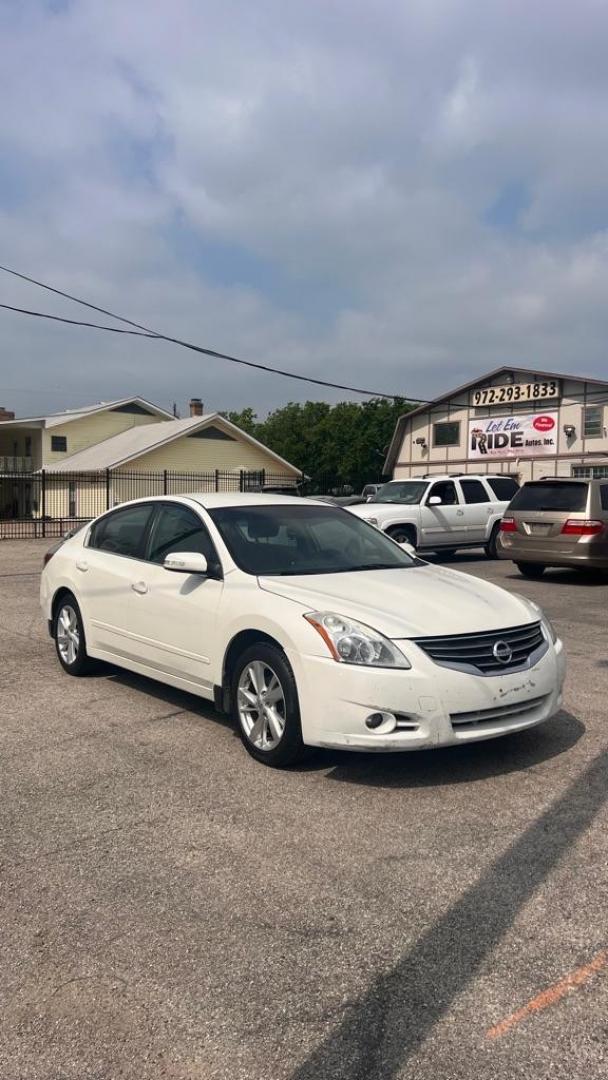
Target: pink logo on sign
x,y
543,423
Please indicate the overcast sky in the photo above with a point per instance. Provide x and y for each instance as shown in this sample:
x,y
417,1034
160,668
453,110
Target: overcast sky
x,y
399,195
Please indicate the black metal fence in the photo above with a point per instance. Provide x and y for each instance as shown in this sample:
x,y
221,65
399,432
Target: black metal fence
x,y
47,504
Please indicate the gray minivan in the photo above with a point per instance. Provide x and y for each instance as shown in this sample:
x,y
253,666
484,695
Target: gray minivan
x,y
556,521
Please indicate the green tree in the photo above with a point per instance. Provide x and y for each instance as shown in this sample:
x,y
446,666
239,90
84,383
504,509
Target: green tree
x,y
344,443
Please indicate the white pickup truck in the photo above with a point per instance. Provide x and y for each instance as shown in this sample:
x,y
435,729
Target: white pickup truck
x,y
441,512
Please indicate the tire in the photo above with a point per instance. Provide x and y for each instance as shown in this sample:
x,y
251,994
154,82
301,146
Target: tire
x,y
491,546
70,642
530,569
402,534
275,737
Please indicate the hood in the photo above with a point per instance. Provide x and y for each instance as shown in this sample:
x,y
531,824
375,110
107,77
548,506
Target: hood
x,y
411,602
366,509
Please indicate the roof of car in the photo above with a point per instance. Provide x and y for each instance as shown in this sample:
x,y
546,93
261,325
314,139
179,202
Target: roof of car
x,y
564,480
453,476
211,500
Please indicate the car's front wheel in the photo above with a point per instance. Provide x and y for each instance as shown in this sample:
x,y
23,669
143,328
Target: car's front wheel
x,y
531,569
68,631
265,705
403,534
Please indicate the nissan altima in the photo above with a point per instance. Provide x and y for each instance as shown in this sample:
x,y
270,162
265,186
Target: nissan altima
x,y
305,623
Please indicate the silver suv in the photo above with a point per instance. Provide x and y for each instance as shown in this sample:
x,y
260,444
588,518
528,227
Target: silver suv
x,y
441,513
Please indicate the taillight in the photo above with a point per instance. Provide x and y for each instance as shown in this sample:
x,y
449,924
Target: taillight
x,y
507,524
572,527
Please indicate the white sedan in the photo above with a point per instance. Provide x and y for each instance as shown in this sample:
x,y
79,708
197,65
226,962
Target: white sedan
x,y
304,622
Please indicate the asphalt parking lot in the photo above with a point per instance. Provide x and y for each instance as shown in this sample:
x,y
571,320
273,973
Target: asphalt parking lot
x,y
171,909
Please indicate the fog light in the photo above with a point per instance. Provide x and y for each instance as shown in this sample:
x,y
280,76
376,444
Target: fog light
x,y
381,722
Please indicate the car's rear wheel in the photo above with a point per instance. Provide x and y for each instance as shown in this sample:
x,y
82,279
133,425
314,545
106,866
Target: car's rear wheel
x,y
491,547
403,534
265,705
70,642
530,569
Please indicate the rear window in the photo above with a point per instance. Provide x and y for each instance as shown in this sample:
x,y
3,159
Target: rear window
x,y
551,495
504,487
604,496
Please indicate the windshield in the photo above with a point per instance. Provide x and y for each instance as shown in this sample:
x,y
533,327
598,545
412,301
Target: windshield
x,y
550,495
305,540
408,491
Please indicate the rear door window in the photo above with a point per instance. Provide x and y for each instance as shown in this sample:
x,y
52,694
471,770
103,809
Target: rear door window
x,y
123,532
504,487
474,491
551,495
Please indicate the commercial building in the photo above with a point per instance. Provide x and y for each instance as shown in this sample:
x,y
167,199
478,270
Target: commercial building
x,y
512,420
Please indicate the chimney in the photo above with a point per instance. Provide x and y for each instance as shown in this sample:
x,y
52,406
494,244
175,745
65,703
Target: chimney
x,y
6,414
196,406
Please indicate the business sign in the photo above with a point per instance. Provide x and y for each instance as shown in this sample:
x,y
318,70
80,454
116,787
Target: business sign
x,y
533,435
503,395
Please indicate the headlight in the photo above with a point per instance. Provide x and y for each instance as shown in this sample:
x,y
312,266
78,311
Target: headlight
x,y
548,626
351,642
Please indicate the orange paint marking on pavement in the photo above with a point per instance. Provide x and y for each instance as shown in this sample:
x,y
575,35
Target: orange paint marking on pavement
x,y
552,995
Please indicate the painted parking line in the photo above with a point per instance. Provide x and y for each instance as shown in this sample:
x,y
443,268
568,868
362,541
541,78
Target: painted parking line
x,y
551,995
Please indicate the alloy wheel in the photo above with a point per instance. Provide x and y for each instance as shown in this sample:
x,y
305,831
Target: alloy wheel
x,y
68,634
261,705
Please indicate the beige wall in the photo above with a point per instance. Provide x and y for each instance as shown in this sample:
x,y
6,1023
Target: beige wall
x,y
413,460
89,430
204,455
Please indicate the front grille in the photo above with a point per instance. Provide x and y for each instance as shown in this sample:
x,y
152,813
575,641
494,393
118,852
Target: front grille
x,y
481,718
476,652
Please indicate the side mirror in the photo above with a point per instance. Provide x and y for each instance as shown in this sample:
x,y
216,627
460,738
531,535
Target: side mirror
x,y
409,550
434,500
186,562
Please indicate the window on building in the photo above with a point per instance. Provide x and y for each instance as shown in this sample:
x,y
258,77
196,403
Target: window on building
x,y
593,421
59,444
590,472
446,433
474,491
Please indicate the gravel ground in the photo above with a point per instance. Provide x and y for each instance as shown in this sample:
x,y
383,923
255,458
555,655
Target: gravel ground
x,y
170,908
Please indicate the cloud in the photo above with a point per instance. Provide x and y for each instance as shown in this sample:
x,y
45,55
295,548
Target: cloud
x,y
403,197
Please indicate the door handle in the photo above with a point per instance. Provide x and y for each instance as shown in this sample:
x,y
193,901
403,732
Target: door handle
x,y
82,565
460,513
139,587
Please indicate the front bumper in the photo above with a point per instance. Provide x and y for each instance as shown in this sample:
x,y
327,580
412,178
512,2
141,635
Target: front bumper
x,y
437,706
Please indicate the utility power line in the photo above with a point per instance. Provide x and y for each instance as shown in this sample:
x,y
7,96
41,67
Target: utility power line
x,y
145,331
597,397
